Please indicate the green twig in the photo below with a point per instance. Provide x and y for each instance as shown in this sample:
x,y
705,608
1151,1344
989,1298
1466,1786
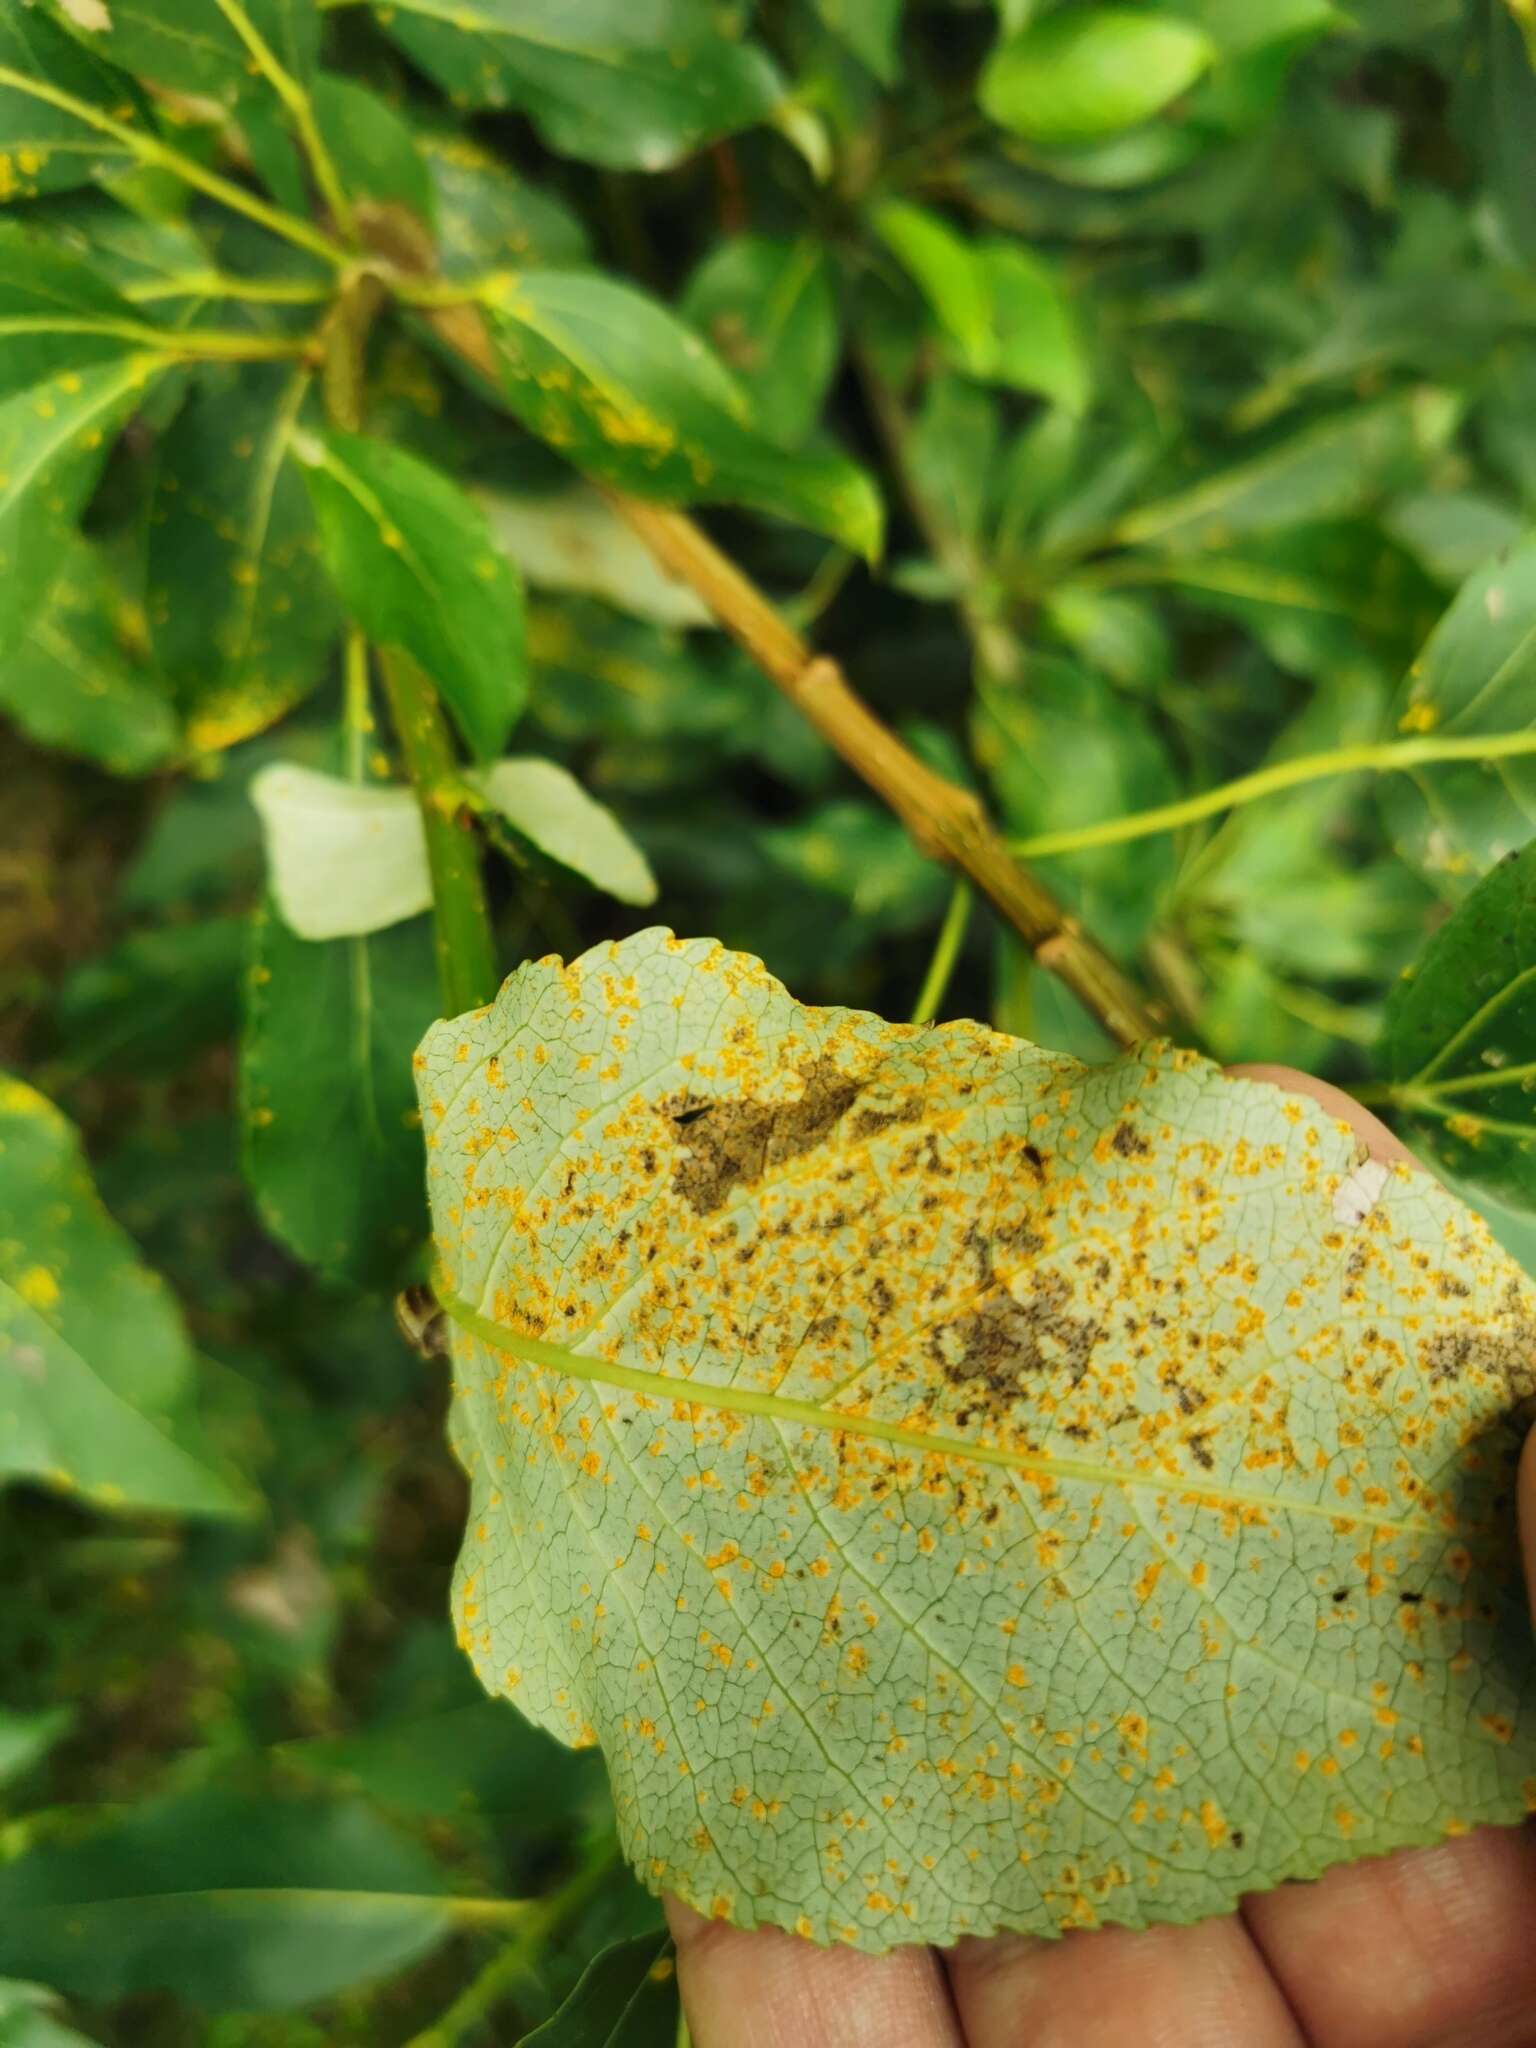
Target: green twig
x,y
1379,757
461,919
150,150
480,1998
946,951
302,114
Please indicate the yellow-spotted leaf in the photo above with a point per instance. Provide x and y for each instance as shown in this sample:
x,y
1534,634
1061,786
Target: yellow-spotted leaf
x,y
958,1487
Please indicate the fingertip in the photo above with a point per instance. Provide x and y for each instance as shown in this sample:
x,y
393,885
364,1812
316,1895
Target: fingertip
x,y
1373,1133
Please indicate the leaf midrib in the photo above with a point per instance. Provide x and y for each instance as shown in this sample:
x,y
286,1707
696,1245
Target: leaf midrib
x,y
807,1415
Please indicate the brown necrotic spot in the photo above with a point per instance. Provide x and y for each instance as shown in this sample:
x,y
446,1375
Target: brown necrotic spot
x,y
730,1144
1506,1357
1129,1143
1004,1340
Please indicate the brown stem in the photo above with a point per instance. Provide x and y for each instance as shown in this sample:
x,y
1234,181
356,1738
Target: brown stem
x,y
946,822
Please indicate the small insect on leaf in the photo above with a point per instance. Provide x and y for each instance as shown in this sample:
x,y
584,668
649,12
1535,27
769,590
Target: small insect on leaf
x,y
961,1488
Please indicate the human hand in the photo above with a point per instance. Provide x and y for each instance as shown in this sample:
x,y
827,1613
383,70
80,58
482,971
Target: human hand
x,y
1431,1948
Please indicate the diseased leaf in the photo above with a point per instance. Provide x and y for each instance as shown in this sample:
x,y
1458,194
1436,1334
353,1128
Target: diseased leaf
x,y
634,84
69,684
1476,675
332,1141
629,394
54,438
1082,73
417,567
94,1363
231,1900
767,307
195,49
1459,1039
57,313
488,215
988,1491
44,148
241,616
547,806
627,1998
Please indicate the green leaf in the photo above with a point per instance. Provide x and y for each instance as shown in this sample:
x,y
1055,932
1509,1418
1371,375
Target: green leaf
x,y
153,1003
1063,750
26,2020
944,268
951,452
1036,345
545,805
871,29
574,540
1324,471
229,1900
25,1739
332,1143
627,1998
633,84
43,148
372,146
195,50
94,1362
68,682
54,440
56,313
1001,305
1476,675
849,1327
628,393
1459,1040
343,858
767,307
488,214
417,568
1082,73
241,616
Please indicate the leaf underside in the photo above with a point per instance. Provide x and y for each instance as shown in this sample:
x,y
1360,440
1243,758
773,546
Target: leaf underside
x,y
958,1487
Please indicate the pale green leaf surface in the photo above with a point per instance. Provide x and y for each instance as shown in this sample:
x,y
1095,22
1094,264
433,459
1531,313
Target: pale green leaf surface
x,y
634,84
574,540
958,1487
1476,674
1459,1040
94,1361
628,393
546,805
343,858
417,568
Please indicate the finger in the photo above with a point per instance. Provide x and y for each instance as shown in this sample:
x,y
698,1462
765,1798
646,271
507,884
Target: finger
x,y
1162,1987
1428,1949
1527,1497
764,1989
1370,1128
